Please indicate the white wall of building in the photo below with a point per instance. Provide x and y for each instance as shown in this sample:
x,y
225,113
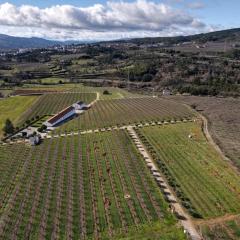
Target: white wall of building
x,y
69,114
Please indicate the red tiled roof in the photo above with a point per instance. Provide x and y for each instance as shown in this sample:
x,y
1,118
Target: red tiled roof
x,y
60,115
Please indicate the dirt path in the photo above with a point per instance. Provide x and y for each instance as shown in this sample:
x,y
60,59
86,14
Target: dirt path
x,y
209,137
97,99
120,95
219,220
187,223
211,141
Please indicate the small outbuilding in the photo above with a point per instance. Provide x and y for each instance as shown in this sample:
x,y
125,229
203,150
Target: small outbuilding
x,y
166,92
80,106
34,140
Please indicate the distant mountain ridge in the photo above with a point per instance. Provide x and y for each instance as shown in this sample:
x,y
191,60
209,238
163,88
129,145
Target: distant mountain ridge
x,y
10,42
217,36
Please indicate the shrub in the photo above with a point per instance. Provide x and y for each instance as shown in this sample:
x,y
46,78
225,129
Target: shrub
x,y
106,92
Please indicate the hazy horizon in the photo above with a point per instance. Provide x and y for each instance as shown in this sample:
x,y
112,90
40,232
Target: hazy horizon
x,y
97,20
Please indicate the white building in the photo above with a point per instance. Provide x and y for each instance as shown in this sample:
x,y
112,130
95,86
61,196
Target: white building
x,y
80,106
66,113
166,92
61,116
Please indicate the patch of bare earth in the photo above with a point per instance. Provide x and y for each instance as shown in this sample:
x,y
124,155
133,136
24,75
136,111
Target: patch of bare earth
x,y
223,115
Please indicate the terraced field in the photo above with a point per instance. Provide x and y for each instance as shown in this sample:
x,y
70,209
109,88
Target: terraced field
x,y
94,186
127,111
207,185
52,103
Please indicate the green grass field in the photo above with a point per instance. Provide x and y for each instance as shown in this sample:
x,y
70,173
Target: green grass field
x,y
207,185
125,112
13,108
94,186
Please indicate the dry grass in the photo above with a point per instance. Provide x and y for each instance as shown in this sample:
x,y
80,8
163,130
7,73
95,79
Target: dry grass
x,y
223,115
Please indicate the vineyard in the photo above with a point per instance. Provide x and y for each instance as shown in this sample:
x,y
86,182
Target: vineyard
x,y
125,112
29,92
113,92
94,186
206,185
228,230
49,104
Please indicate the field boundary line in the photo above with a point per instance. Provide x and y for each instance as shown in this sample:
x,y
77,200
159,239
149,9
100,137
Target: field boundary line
x,y
101,130
21,117
176,207
218,220
209,137
211,141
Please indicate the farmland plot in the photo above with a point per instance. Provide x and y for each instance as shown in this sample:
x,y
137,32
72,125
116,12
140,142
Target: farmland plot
x,y
13,107
10,167
207,185
94,186
49,104
226,230
114,92
127,111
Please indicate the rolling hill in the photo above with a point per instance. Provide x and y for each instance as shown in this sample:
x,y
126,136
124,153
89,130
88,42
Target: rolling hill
x,y
9,42
232,35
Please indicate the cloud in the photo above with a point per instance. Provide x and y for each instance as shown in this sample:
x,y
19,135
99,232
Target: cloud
x,y
112,19
196,5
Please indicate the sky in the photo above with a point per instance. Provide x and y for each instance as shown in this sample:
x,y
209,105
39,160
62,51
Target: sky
x,y
108,19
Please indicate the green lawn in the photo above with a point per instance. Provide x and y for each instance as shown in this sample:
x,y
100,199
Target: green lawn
x,y
206,184
13,108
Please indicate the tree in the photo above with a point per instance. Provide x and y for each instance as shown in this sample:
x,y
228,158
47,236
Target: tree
x,y
42,128
8,128
106,92
147,77
28,122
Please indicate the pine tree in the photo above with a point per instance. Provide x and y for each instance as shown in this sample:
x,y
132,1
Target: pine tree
x,y
8,128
